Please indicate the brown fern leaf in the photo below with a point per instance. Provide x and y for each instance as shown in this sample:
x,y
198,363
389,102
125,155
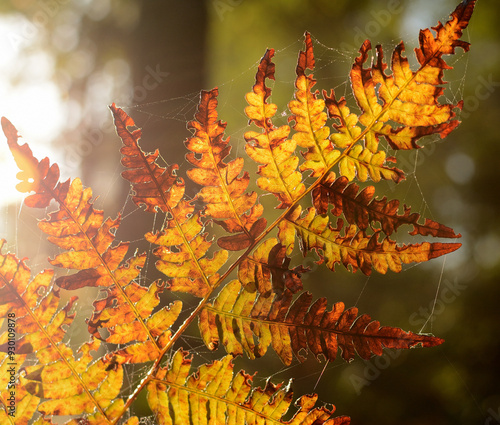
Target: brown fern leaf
x,y
249,322
271,147
69,382
362,208
214,392
155,187
224,192
183,244
352,247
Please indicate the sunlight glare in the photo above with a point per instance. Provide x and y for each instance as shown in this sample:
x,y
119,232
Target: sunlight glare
x,y
30,100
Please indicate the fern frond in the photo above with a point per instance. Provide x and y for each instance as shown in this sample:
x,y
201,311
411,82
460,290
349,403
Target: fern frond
x,y
213,392
224,192
353,247
249,322
362,208
271,147
266,306
183,244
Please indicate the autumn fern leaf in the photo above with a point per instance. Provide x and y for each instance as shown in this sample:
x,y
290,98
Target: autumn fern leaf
x,y
214,392
267,269
31,315
39,177
271,147
182,243
67,394
362,208
409,98
310,117
223,192
249,322
353,247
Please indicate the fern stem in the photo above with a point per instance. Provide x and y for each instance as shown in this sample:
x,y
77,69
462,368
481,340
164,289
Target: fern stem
x,y
150,375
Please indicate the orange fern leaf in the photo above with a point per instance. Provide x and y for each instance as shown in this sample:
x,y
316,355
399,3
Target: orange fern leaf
x,y
246,316
155,187
224,192
408,98
309,115
267,269
35,176
67,394
86,240
183,244
70,386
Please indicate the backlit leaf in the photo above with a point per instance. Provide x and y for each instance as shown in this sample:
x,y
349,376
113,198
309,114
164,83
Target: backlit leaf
x,y
271,147
249,322
223,191
353,247
215,392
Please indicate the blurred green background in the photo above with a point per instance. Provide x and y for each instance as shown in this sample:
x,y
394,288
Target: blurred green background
x,y
63,62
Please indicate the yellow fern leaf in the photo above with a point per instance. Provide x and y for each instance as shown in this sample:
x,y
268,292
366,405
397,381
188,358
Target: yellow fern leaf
x,y
271,147
213,392
353,247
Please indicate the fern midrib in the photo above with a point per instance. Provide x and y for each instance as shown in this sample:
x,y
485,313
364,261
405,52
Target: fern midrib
x,y
202,393
54,345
